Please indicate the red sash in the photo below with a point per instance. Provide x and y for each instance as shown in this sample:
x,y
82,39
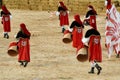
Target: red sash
x,y
6,23
24,50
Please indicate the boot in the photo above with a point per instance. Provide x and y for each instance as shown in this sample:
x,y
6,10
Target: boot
x,y
98,68
7,36
91,71
21,63
117,55
63,29
25,63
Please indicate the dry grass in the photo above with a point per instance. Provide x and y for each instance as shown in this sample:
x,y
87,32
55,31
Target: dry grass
x,y
51,59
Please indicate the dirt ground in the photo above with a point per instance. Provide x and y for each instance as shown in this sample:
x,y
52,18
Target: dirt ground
x,y
51,59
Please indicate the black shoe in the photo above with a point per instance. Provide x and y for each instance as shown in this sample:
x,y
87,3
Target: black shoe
x,y
21,63
7,36
98,68
63,29
117,56
91,71
25,64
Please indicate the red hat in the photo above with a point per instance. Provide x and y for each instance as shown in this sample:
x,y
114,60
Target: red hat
x,y
109,2
63,6
24,29
4,9
77,18
109,5
61,3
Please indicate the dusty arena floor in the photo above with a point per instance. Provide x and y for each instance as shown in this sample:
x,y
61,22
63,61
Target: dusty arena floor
x,y
51,59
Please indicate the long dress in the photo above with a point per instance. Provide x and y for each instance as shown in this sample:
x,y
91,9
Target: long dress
x,y
23,47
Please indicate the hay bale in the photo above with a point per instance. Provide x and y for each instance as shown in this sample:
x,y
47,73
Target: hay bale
x,y
73,5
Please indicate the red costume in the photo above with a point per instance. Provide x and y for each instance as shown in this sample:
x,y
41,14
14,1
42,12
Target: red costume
x,y
94,48
5,14
5,19
77,36
24,50
23,45
64,20
91,12
92,39
77,32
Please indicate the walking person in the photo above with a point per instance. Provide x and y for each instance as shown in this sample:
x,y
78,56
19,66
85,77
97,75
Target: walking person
x,y
23,37
62,12
6,15
92,40
90,13
76,28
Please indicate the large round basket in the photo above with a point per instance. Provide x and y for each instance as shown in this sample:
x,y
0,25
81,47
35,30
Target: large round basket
x,y
82,54
67,37
12,50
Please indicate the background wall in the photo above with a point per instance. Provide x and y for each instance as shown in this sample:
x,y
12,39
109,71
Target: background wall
x,y
51,5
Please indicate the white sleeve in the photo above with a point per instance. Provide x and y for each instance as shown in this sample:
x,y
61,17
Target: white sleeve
x,y
106,2
85,41
68,12
10,16
57,13
70,29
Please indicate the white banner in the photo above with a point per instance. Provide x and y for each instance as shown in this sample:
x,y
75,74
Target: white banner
x,y
113,30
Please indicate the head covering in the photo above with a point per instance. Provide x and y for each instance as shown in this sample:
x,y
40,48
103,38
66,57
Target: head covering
x,y
4,9
24,29
108,3
90,6
61,3
63,6
77,18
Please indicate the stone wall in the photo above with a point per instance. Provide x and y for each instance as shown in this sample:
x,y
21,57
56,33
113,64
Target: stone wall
x,y
51,5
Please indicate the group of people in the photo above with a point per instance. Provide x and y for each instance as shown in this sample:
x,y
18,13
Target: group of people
x,y
92,36
91,39
22,37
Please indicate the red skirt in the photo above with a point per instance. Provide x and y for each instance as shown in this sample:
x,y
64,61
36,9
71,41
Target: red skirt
x,y
64,20
77,35
94,49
